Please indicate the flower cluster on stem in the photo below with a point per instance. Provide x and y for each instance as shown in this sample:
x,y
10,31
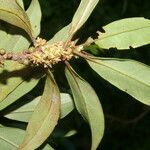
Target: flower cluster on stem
x,y
43,53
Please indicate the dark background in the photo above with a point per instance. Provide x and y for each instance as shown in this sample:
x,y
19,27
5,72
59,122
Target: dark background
x,y
127,121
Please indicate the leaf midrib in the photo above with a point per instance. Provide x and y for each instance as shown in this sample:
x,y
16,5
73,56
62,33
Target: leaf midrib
x,y
84,13
107,36
123,74
45,119
74,76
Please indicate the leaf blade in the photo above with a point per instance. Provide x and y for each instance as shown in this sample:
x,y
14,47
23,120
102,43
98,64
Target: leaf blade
x,y
61,35
23,88
8,138
24,112
130,76
82,14
125,33
12,13
34,14
45,116
18,42
88,105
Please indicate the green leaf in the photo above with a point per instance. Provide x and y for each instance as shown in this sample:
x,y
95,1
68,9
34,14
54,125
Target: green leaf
x,y
70,133
18,41
21,89
20,2
34,15
11,78
24,113
82,14
88,105
128,75
61,35
13,73
12,12
48,147
16,83
67,104
44,118
125,33
11,138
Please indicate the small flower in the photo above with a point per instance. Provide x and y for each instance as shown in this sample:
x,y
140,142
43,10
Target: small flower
x,y
47,54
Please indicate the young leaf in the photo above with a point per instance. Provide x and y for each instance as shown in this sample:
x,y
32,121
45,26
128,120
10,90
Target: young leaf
x,y
87,104
82,14
45,116
128,75
10,138
11,12
24,112
125,33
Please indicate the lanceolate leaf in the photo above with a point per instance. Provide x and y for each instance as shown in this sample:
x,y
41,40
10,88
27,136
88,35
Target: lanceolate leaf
x,y
82,14
88,105
128,75
24,113
11,12
45,116
11,138
125,33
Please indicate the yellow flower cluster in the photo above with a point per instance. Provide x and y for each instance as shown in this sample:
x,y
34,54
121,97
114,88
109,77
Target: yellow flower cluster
x,y
47,54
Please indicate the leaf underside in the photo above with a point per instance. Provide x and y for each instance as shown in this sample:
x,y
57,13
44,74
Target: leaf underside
x,y
12,12
128,75
88,105
44,117
24,113
125,33
11,138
